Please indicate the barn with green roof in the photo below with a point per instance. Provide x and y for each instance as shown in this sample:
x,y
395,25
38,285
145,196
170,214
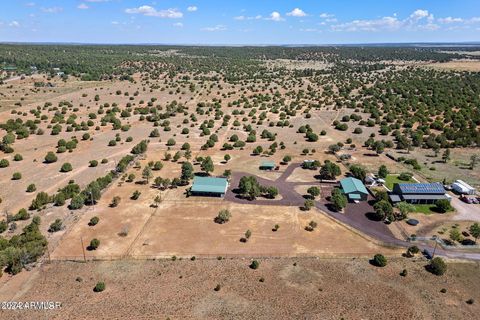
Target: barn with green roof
x,y
267,165
354,189
209,186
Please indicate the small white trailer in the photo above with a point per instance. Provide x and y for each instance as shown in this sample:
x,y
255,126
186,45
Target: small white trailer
x,y
463,187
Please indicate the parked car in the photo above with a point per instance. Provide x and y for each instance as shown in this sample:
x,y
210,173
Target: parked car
x,y
466,200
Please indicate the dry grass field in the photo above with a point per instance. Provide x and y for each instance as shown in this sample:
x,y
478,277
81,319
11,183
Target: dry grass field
x,y
457,65
279,289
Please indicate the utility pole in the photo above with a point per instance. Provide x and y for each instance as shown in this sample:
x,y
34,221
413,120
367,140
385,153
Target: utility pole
x,y
83,250
435,248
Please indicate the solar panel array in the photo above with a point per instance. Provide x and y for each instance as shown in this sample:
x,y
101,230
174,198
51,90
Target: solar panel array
x,y
422,188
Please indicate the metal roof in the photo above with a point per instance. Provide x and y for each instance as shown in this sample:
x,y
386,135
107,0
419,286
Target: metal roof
x,y
424,196
350,185
267,164
209,184
463,185
395,198
422,188
354,196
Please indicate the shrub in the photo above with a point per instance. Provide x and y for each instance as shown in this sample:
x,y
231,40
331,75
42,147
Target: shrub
x,y
136,194
55,226
50,157
338,199
405,176
404,273
254,265
311,226
31,188
443,205
171,142
437,266
308,204
94,243
383,209
18,157
4,163
93,221
16,176
99,287
379,260
413,250
217,287
66,167
77,202
3,227
59,199
223,216
93,163
115,201
21,215
313,192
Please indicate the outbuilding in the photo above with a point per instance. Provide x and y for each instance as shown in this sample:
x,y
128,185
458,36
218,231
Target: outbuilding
x,y
463,188
354,189
267,165
418,193
209,186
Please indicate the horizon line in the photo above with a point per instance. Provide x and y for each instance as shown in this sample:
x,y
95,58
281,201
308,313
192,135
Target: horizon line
x,y
433,43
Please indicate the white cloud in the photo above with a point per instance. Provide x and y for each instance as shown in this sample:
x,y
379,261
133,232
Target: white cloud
x,y
451,20
82,6
310,30
390,23
30,4
14,24
218,27
115,22
297,12
178,25
418,20
241,18
275,16
419,14
52,10
152,12
326,15
192,8
97,0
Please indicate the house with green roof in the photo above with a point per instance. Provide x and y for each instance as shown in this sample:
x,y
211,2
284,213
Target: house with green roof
x,y
267,165
354,189
209,186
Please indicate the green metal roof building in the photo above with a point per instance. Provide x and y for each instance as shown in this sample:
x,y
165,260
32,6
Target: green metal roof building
x,y
267,165
209,186
354,189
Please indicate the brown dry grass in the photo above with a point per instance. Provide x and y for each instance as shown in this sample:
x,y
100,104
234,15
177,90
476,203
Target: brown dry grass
x,y
312,289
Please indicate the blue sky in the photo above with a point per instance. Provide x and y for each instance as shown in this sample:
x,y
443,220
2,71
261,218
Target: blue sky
x,y
240,22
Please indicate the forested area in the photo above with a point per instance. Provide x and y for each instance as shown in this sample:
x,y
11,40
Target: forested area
x,y
95,62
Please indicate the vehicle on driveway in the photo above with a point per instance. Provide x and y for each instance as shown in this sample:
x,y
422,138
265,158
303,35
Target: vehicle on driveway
x,y
467,200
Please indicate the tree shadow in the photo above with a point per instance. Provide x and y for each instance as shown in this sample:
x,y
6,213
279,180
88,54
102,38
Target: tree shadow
x,y
372,216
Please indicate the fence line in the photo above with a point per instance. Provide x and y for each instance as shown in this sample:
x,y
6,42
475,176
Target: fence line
x,y
183,256
442,243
